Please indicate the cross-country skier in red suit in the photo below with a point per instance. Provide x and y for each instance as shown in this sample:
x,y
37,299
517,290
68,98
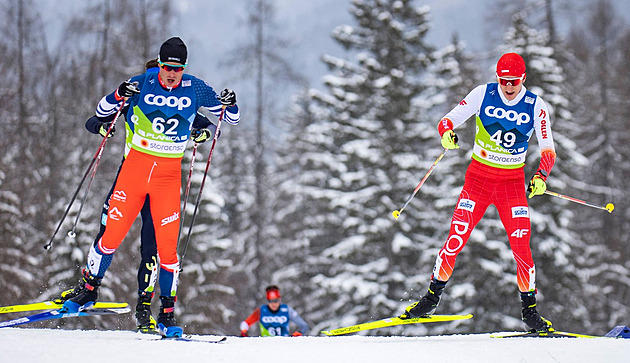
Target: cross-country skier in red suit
x,y
507,115
162,109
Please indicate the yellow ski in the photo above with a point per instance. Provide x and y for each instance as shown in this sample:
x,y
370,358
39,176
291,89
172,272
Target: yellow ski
x,y
52,305
383,323
550,334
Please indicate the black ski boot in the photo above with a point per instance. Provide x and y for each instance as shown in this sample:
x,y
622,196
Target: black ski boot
x,y
144,319
427,304
66,295
166,318
83,295
532,319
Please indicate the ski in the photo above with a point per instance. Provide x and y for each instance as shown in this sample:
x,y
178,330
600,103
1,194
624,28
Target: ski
x,y
53,305
149,331
535,334
190,338
58,314
393,321
183,338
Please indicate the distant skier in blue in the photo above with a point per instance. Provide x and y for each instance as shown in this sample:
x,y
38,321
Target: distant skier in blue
x,y
274,317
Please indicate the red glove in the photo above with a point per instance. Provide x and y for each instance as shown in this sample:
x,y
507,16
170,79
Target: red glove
x,y
244,333
296,334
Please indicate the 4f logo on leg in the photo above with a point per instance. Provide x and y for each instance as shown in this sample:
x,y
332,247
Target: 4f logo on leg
x,y
520,233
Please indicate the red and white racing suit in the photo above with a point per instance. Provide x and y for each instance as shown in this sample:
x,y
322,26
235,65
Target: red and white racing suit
x,y
495,175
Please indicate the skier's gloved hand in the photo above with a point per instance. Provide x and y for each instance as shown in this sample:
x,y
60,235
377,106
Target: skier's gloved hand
x,y
449,140
213,128
127,89
244,333
104,127
227,97
200,135
537,185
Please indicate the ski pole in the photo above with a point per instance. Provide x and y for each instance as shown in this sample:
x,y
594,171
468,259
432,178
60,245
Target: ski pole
x,y
72,233
203,182
95,159
397,213
609,207
183,214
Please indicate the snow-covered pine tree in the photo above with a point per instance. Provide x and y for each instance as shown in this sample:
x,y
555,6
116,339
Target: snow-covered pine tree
x,y
24,110
10,248
368,140
596,61
262,62
305,226
236,180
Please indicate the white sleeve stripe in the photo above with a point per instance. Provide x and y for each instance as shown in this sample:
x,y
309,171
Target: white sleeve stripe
x,y
105,108
232,118
216,110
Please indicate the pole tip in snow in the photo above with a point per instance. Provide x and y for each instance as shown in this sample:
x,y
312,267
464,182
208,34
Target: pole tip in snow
x,y
396,214
610,207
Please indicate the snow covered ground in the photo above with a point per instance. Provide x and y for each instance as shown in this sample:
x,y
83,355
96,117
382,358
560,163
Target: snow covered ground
x,y
55,346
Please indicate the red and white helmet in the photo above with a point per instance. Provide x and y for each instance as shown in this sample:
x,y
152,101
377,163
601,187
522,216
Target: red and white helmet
x,y
511,65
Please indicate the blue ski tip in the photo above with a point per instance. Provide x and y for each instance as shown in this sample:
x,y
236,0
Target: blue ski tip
x,y
70,306
170,331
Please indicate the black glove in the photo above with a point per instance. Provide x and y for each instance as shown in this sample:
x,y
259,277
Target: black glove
x,y
200,135
104,127
127,89
227,97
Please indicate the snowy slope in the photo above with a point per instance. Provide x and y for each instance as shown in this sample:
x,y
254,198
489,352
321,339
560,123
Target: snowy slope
x,y
55,346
